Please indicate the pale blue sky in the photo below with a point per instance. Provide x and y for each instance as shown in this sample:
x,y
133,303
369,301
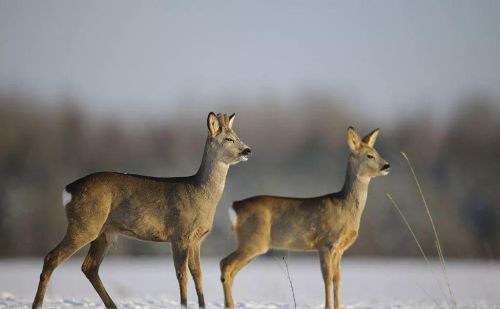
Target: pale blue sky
x,y
149,56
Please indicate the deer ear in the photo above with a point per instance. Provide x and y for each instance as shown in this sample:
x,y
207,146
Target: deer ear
x,y
353,139
213,124
231,120
371,137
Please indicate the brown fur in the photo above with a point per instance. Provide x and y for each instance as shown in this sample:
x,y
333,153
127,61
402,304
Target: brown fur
x,y
177,210
328,224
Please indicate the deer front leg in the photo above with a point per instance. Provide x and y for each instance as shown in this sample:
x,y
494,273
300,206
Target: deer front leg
x,y
336,279
325,259
180,252
195,269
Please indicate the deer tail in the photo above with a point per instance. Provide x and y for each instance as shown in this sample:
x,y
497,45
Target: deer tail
x,y
233,217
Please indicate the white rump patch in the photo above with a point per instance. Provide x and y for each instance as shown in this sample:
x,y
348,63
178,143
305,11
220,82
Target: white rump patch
x,y
66,197
232,216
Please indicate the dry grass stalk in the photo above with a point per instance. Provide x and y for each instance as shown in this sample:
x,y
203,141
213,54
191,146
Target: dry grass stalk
x,y
290,281
415,238
409,227
438,243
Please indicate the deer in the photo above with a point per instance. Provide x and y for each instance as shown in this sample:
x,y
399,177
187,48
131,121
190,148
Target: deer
x,y
179,210
328,224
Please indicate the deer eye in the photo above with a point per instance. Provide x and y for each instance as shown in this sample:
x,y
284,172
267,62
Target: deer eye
x,y
370,156
228,139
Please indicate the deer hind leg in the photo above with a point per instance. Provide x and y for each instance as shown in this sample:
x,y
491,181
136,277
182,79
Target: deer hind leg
x,y
195,269
72,242
86,218
248,249
325,260
254,234
230,266
90,266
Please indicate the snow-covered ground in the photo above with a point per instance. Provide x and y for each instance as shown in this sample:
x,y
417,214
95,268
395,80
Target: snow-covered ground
x,y
151,283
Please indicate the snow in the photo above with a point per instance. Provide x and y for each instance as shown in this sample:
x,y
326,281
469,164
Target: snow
x,y
151,283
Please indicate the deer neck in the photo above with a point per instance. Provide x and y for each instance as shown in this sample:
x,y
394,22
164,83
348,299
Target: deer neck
x,y
355,189
211,175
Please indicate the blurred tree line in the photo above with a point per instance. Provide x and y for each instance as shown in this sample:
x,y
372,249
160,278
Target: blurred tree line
x,y
299,150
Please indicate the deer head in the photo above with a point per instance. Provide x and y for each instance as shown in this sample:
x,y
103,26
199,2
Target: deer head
x,y
223,143
364,158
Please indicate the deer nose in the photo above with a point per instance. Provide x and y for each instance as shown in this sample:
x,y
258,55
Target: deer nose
x,y
385,167
246,151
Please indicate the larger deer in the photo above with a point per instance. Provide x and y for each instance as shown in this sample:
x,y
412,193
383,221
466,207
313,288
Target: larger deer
x,y
178,210
328,224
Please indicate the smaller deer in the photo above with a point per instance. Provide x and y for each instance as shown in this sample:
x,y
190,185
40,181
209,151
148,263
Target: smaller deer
x,y
328,224
179,210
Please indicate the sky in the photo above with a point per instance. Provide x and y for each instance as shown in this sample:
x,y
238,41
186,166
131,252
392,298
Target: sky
x,y
143,58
